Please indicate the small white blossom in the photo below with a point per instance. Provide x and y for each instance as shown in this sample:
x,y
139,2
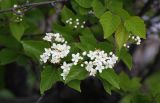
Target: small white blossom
x,y
77,19
82,26
76,58
99,60
75,26
57,51
66,68
82,65
45,56
76,23
84,53
15,5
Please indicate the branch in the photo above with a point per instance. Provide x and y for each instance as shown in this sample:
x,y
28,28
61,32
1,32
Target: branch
x,y
30,5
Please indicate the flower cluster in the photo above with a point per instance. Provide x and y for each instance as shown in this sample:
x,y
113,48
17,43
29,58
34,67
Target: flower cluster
x,y
54,37
99,60
135,39
76,23
93,61
18,13
96,61
66,68
57,51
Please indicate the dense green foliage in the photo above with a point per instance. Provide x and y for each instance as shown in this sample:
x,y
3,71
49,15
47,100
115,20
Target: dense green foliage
x,y
21,42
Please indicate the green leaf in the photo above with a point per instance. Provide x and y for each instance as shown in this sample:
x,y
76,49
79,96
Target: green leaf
x,y
110,23
110,76
121,36
5,4
87,41
98,8
17,30
75,84
106,46
49,76
126,58
66,14
141,98
107,86
84,3
152,82
136,26
114,4
88,37
7,56
34,48
9,42
77,73
79,9
66,32
134,83
126,99
122,13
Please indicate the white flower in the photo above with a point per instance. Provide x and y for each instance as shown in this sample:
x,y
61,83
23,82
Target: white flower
x,y
84,53
82,26
76,23
75,26
77,20
15,5
93,72
99,60
66,68
82,65
45,56
76,58
48,37
57,51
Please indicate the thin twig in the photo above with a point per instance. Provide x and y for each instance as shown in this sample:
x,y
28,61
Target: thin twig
x,y
29,5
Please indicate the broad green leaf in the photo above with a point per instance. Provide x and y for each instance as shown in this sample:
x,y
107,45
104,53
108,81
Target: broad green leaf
x,y
152,82
5,4
77,73
98,8
66,32
75,84
107,86
134,83
114,4
110,76
7,56
84,3
110,23
6,94
66,14
79,9
126,99
88,37
9,42
121,36
141,98
136,26
17,30
49,76
122,13
126,58
106,46
87,41
34,48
